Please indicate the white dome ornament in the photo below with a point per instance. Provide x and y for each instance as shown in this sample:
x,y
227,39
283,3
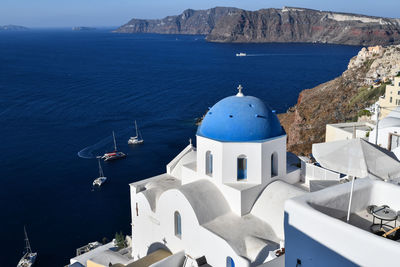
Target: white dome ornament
x,y
240,94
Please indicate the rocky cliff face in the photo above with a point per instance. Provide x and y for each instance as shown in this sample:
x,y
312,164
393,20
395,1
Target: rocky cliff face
x,y
189,22
339,100
274,25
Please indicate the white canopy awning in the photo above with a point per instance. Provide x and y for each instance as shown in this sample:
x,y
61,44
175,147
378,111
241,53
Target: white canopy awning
x,y
358,158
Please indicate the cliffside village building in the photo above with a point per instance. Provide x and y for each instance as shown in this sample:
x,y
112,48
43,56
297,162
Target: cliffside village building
x,y
391,99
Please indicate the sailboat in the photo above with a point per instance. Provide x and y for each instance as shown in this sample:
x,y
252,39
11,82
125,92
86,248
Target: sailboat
x,y
101,179
115,154
29,257
136,139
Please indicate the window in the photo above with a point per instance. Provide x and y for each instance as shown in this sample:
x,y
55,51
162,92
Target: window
x,y
178,226
274,164
394,141
230,262
390,100
242,167
398,92
397,102
209,163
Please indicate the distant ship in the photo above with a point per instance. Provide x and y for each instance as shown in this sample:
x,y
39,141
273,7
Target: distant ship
x,y
241,55
136,139
115,154
29,257
101,179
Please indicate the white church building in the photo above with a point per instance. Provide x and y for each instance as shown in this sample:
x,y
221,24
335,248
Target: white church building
x,y
222,201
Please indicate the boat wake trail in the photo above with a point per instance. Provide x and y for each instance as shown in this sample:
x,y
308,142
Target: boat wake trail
x,y
268,55
91,152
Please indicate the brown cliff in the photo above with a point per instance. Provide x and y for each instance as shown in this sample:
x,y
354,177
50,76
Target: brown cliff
x,y
338,100
225,24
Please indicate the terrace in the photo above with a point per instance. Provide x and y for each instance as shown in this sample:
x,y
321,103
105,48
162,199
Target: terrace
x,y
319,219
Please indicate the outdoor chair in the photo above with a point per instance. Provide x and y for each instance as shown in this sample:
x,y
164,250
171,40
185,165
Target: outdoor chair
x,y
393,234
370,208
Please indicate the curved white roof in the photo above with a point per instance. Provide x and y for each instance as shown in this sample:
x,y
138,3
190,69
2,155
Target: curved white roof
x,y
206,200
158,185
395,113
269,206
391,120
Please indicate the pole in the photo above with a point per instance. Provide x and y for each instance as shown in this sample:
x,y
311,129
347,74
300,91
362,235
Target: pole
x,y
377,123
115,143
351,198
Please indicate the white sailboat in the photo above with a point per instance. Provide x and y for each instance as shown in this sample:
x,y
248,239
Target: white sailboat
x,y
136,139
29,257
101,179
241,54
115,154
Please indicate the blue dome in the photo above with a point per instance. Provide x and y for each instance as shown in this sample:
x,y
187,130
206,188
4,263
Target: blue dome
x,y
240,119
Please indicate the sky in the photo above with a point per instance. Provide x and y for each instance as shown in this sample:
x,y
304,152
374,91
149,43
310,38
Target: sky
x,y
67,13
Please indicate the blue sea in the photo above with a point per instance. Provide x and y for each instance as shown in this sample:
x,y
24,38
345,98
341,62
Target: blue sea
x,y
62,93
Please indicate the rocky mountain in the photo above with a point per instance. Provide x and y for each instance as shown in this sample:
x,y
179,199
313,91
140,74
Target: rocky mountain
x,y
223,24
341,99
189,22
12,28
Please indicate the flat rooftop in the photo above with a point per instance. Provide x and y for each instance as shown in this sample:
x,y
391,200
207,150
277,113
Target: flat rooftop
x,y
349,126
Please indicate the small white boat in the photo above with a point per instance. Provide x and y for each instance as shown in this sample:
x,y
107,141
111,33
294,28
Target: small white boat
x,y
29,257
241,54
115,154
101,179
134,140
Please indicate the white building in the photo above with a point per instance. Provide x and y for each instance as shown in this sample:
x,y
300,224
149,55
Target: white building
x,y
317,234
224,199
347,130
388,132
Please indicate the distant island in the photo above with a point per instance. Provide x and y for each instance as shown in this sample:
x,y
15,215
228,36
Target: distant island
x,y
80,28
289,24
13,28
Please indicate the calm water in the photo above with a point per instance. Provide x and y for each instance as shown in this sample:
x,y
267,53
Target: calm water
x,y
63,92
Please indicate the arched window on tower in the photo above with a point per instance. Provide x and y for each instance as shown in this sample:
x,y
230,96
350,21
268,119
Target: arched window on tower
x,y
242,167
230,262
209,163
177,223
274,164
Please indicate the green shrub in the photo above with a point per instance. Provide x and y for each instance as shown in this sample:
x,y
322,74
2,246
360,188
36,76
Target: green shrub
x,y
364,112
366,95
120,240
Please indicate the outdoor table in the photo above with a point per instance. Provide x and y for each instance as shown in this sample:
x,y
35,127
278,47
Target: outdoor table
x,y
384,213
